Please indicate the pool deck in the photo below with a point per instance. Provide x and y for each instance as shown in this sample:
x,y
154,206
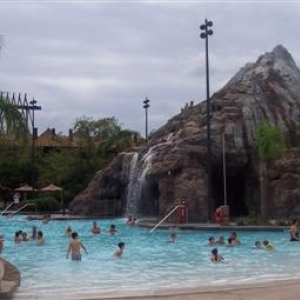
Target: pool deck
x,y
277,290
150,223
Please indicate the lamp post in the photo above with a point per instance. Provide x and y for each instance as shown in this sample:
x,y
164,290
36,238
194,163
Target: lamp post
x,y
34,107
206,31
224,168
146,106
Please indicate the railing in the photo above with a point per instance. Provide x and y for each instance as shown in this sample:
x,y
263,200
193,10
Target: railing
x,y
167,216
6,209
18,210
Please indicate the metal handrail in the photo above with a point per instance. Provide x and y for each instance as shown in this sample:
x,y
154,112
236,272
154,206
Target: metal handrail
x,y
166,217
7,207
28,204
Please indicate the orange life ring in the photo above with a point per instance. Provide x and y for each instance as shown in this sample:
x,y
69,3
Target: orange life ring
x,y
218,214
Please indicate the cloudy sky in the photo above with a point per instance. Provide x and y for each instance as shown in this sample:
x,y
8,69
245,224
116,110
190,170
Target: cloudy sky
x,y
102,58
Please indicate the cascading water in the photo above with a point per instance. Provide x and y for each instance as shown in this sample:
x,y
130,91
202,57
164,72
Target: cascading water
x,y
139,167
133,187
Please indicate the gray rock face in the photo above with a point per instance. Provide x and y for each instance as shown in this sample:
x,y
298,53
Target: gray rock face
x,y
174,164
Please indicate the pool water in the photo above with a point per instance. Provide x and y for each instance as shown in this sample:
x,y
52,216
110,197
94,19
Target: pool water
x,y
150,263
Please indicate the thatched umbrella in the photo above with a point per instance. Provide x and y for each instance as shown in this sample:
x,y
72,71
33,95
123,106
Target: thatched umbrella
x,y
51,188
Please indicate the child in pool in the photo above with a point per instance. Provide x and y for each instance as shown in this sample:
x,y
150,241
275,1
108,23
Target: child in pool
x,y
215,256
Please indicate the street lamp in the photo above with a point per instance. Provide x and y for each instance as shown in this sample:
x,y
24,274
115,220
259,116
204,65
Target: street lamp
x,y
34,107
206,31
224,168
146,106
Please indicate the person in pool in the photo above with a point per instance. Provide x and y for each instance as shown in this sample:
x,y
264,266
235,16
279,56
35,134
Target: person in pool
x,y
211,241
257,245
172,238
215,256
268,246
96,229
220,241
294,231
112,230
234,239
120,250
75,246
69,231
40,238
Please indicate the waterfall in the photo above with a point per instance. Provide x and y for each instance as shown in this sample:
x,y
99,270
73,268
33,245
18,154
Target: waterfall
x,y
136,169
133,187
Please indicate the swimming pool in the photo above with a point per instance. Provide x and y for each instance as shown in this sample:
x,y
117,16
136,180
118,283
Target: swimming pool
x,y
149,263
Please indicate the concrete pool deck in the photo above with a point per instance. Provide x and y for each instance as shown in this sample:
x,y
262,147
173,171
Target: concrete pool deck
x,y
277,290
150,223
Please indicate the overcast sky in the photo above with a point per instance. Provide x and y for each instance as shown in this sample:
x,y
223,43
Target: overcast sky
x,y
102,58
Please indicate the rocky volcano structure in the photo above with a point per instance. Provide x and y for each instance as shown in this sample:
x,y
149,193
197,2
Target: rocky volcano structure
x,y
154,179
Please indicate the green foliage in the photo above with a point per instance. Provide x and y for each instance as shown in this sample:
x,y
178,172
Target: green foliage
x,y
71,168
270,141
47,204
11,120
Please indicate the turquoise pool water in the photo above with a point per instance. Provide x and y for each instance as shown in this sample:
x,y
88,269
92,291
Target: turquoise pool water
x,y
149,263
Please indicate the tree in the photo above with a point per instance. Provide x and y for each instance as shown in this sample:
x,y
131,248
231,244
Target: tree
x,y
14,144
270,147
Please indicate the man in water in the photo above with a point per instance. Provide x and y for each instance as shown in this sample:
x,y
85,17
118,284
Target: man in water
x,y
294,232
75,246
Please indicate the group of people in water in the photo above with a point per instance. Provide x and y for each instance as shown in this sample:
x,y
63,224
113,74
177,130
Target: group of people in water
x,y
234,241
22,236
76,245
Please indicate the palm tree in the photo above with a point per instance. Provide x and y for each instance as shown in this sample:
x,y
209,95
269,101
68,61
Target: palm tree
x,y
12,123
270,146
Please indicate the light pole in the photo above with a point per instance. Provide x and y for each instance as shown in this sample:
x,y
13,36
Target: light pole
x,y
206,31
146,106
224,168
34,107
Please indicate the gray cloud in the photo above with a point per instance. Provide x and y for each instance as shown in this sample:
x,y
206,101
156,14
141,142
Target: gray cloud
x,y
99,59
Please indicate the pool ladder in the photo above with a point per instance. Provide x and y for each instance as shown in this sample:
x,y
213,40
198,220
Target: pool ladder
x,y
167,216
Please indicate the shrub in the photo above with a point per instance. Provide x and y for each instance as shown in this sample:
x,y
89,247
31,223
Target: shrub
x,y
42,204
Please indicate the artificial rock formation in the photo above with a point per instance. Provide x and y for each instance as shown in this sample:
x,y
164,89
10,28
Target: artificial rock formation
x,y
152,180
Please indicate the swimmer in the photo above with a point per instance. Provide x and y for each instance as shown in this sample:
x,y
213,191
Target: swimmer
x,y
220,241
75,246
234,240
294,232
215,256
18,237
120,250
268,246
211,241
112,230
172,238
258,245
40,239
131,220
96,229
69,231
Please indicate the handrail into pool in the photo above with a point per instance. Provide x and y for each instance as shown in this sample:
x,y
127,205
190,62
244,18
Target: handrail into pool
x,y
166,217
6,208
28,204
